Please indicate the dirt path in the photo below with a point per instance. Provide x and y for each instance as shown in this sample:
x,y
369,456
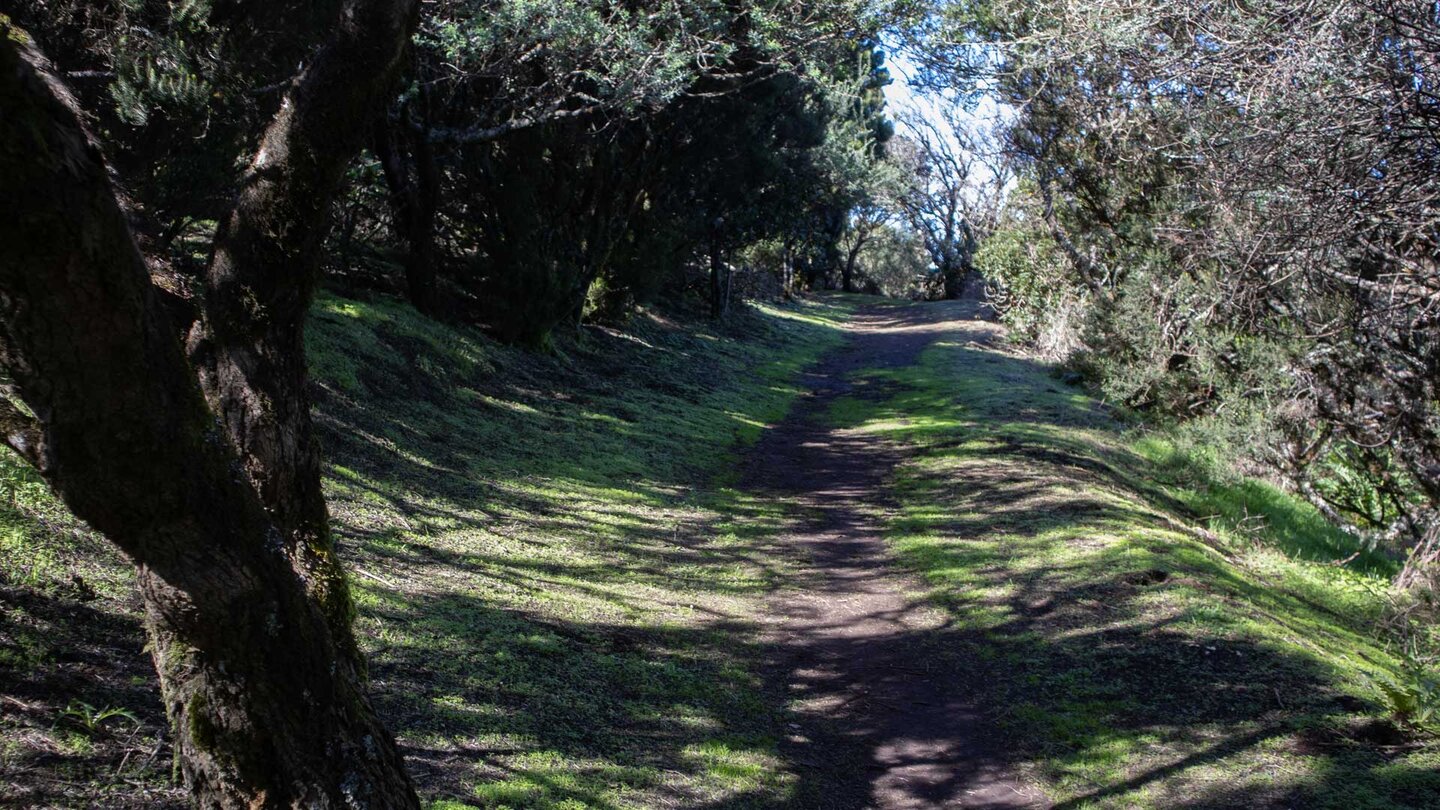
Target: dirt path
x,y
879,699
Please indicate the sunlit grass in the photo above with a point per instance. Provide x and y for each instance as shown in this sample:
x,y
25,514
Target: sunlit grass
x,y
552,586
1151,635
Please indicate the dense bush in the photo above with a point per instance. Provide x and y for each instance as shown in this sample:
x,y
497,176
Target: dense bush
x,y
1241,206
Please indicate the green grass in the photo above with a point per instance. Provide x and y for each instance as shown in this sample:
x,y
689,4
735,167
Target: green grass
x,y
1149,635
557,578
79,710
554,584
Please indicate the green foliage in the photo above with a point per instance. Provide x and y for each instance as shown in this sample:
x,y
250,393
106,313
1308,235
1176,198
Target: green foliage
x,y
91,720
1030,283
177,90
1255,513
1152,348
1243,261
896,263
628,57
592,156
1413,697
20,485
1368,487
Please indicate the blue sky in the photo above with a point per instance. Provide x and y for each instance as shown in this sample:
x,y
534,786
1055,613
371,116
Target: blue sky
x,y
901,97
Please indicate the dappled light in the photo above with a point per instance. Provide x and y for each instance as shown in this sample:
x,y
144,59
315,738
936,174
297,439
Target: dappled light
x,y
569,628
695,405
1139,659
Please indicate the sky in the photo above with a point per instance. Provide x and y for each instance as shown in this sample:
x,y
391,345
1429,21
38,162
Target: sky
x,y
901,97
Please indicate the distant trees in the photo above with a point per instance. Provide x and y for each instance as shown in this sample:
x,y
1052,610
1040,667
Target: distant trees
x,y
955,187
1244,200
853,185
894,263
548,158
868,218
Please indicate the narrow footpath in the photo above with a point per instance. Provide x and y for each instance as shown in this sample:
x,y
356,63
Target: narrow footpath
x,y
882,716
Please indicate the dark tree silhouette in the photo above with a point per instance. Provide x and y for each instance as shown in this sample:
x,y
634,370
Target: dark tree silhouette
x,y
204,470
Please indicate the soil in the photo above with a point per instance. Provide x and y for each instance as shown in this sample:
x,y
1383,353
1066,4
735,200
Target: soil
x,y
882,708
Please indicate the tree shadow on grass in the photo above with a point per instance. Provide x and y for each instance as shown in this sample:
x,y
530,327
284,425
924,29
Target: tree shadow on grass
x,y
558,614
1125,656
604,669
493,702
550,599
63,663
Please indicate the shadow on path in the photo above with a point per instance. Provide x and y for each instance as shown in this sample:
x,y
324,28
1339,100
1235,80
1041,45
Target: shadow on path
x,y
573,620
876,687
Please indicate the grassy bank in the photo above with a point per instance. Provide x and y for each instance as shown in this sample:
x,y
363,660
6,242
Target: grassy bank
x,y
1146,635
558,586
550,592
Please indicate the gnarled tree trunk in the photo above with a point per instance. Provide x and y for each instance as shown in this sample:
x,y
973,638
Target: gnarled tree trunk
x,y
249,348
245,604
852,260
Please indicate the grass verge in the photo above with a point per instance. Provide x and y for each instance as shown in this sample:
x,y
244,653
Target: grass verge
x,y
1146,635
551,589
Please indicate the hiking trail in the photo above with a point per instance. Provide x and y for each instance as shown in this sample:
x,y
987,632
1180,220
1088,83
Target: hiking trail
x,y
884,716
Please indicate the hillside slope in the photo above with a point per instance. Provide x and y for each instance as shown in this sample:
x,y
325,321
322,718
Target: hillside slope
x,y
1144,634
545,581
605,578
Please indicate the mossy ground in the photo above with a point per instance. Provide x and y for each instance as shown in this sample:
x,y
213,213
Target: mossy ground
x,y
557,582
553,589
553,583
80,718
1145,634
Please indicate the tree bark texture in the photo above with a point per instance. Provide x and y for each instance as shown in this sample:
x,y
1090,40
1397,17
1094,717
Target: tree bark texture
x,y
266,701
249,348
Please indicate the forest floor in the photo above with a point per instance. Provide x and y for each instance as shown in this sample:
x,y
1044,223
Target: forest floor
x,y
845,553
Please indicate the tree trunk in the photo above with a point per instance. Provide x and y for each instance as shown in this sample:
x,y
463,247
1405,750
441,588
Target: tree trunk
x,y
847,275
787,272
719,282
953,276
249,349
259,679
814,277
414,187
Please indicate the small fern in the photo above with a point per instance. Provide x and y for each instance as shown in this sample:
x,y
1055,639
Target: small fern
x,y
1413,698
92,720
